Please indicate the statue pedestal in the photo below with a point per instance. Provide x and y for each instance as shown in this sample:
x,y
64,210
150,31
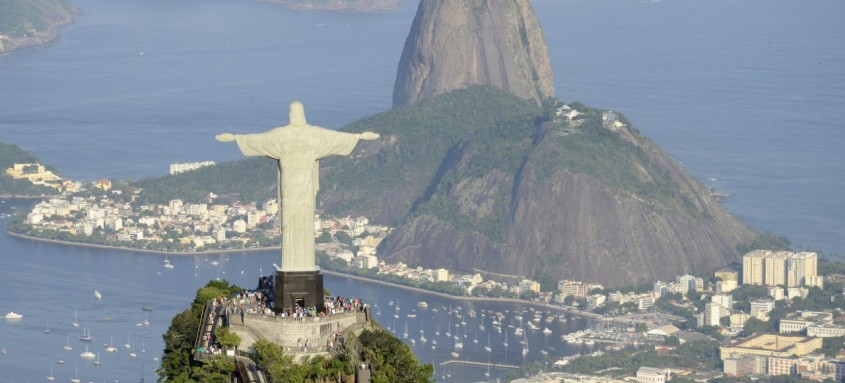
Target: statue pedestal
x,y
298,288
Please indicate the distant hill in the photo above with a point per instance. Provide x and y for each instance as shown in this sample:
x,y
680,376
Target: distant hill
x,y
478,179
340,5
32,22
9,155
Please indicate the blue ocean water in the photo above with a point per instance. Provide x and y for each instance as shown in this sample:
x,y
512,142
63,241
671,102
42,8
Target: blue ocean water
x,y
747,94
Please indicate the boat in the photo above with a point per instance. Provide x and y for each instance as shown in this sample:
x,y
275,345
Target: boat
x,y
488,347
47,330
97,362
146,321
75,318
87,354
547,331
111,348
86,336
505,343
13,315
148,308
97,294
75,375
67,346
422,304
51,377
132,353
405,334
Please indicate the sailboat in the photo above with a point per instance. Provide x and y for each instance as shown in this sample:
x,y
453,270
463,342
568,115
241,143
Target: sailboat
x,y
505,343
146,321
405,334
86,336
167,264
524,345
127,345
437,330
47,330
76,375
51,377
87,354
75,318
132,353
110,347
488,347
67,346
97,294
476,338
97,362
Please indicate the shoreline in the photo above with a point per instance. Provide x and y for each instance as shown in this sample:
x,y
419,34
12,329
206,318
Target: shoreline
x,y
130,249
463,297
328,272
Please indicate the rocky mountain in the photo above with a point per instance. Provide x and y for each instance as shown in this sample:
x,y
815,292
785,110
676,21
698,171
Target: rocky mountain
x,y
478,180
32,22
456,43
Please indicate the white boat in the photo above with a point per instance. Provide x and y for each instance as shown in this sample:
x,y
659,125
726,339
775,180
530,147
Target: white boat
x,y
87,354
75,318
405,334
75,376
547,331
422,304
97,362
47,330
97,294
489,346
13,315
51,377
111,348
67,346
132,353
167,264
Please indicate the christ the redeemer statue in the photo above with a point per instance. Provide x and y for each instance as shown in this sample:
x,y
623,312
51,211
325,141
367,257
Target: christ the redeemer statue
x,y
298,147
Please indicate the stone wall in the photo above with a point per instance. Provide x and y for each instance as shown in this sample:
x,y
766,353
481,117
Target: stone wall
x,y
296,335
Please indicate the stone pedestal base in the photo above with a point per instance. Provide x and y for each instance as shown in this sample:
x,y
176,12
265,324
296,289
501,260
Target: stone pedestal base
x,y
298,288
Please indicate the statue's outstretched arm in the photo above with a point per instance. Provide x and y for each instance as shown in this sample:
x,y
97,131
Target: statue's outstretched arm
x,y
225,137
369,136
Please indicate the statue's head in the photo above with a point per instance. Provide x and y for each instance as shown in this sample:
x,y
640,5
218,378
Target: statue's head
x,y
297,114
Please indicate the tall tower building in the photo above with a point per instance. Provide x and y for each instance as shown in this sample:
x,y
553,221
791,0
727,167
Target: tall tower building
x,y
775,266
801,267
753,267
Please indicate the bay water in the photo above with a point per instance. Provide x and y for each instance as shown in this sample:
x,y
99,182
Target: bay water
x,y
746,94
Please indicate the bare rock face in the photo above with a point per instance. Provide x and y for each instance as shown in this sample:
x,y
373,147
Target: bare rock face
x,y
457,43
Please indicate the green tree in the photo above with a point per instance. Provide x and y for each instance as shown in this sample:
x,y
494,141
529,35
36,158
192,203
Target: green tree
x,y
226,338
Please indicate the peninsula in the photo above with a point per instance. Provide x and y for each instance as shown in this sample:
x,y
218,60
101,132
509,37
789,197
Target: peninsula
x,y
26,23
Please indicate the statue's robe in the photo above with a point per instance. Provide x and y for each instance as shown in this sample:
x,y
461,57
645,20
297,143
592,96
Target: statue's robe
x,y
298,150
